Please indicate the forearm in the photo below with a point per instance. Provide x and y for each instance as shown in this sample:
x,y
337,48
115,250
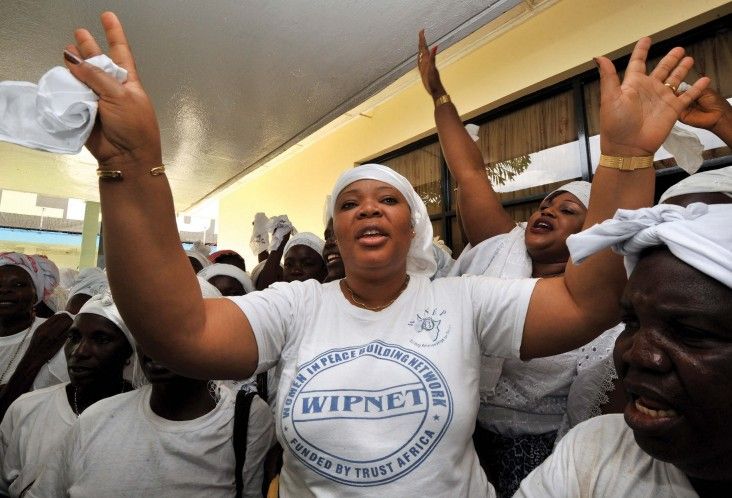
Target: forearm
x,y
150,276
723,128
597,283
272,271
482,214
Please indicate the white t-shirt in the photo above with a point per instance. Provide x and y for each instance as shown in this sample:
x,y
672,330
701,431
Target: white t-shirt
x,y
120,448
600,458
33,426
53,372
518,397
383,403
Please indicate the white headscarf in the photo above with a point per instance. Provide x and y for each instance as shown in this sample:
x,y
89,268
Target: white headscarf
x,y
420,259
232,271
718,180
89,281
42,271
306,239
699,235
102,304
579,188
199,252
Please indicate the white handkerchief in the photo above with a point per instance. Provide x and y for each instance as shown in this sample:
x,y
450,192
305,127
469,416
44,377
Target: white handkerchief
x,y
58,114
686,147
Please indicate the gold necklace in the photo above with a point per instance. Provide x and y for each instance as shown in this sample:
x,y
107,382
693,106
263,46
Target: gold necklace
x,y
375,308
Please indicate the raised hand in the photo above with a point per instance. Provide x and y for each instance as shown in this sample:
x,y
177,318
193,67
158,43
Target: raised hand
x,y
637,115
126,132
427,69
707,111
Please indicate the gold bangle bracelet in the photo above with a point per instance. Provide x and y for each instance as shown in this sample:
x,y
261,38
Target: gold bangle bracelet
x,y
116,175
626,163
442,99
109,174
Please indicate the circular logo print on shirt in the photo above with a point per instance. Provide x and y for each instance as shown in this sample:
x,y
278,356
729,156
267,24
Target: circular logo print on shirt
x,y
366,415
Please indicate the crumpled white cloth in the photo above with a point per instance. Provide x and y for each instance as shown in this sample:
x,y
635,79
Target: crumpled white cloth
x,y
232,271
58,114
699,235
279,226
443,257
686,148
420,258
305,239
718,180
259,242
472,130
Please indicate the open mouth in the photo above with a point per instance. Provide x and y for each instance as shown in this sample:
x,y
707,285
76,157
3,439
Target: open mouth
x,y
371,236
332,257
79,370
653,409
650,414
542,225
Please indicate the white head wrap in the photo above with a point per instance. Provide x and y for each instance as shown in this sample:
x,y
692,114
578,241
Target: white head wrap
x,y
67,277
306,239
420,259
42,271
89,281
199,252
699,235
103,305
208,290
718,180
579,188
232,271
50,273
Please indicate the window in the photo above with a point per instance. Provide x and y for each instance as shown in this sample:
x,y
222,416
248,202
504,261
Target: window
x,y
541,141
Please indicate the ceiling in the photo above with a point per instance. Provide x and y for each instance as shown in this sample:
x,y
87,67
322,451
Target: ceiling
x,y
234,82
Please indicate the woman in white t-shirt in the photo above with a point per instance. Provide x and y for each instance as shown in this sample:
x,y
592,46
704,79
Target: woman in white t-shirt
x,y
522,404
379,371
97,350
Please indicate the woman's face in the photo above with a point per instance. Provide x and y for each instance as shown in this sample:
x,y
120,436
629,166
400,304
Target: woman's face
x,y
303,263
17,292
228,286
96,350
332,255
371,220
548,228
675,360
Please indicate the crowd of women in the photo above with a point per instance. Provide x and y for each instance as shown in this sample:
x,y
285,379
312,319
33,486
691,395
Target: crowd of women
x,y
371,362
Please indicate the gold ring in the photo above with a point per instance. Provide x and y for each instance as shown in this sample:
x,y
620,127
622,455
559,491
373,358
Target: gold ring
x,y
673,88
